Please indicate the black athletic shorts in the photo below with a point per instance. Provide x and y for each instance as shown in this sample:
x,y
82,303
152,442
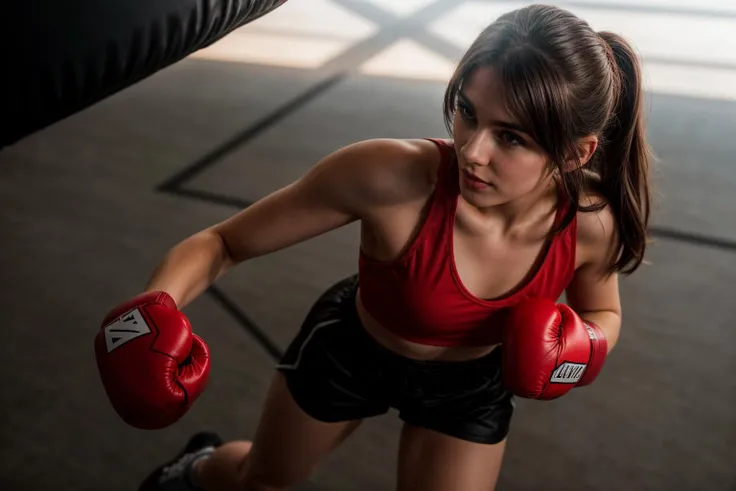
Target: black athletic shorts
x,y
336,371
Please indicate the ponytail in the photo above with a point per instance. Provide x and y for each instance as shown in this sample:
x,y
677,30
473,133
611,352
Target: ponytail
x,y
625,162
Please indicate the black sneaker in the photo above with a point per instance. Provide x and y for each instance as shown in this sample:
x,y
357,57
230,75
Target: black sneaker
x,y
174,475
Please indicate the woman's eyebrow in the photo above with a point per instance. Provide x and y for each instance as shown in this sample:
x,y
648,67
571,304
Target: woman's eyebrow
x,y
509,125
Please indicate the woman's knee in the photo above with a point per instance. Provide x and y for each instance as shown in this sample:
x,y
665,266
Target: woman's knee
x,y
233,467
224,468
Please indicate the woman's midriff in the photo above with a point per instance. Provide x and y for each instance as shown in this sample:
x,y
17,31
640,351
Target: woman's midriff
x,y
416,351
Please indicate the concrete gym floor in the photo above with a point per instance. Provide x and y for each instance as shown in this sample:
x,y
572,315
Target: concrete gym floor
x,y
90,205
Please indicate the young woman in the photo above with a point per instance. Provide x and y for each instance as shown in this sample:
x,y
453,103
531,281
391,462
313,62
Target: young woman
x,y
466,244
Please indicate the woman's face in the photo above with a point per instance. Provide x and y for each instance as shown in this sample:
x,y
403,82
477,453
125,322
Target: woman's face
x,y
498,162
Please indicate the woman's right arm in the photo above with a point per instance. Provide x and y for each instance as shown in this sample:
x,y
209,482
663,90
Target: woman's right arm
x,y
349,184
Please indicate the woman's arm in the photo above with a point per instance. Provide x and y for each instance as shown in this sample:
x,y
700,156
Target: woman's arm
x,y
345,186
593,292
549,348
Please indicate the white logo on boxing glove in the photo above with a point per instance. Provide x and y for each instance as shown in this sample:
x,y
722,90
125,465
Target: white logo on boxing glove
x,y
126,328
591,332
568,373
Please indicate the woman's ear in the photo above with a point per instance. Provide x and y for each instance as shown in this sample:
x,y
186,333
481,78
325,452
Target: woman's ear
x,y
586,148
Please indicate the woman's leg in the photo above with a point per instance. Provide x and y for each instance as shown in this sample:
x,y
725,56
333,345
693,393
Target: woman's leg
x,y
321,392
457,418
287,447
433,461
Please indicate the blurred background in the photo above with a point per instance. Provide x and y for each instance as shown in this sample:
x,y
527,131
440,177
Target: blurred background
x,y
91,204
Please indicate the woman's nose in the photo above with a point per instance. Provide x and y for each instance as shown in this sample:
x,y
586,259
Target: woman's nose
x,y
479,149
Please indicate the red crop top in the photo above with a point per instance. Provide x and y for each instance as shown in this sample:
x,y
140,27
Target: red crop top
x,y
420,297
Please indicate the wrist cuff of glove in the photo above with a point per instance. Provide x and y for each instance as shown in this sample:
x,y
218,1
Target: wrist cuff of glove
x,y
163,298
598,353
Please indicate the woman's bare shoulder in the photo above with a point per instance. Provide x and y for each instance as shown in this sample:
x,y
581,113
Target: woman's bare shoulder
x,y
391,168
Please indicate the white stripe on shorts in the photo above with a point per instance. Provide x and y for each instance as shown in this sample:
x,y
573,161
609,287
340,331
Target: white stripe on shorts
x,y
316,328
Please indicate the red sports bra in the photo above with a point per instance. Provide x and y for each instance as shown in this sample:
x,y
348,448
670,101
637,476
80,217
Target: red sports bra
x,y
420,296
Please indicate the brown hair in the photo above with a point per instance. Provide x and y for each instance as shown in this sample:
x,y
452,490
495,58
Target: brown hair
x,y
564,81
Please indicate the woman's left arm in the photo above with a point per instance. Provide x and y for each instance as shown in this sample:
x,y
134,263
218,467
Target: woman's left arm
x,y
594,292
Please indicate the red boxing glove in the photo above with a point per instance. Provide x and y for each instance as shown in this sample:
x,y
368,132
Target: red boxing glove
x,y
152,367
548,349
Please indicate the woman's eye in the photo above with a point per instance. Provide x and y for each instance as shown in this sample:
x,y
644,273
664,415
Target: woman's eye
x,y
465,112
511,138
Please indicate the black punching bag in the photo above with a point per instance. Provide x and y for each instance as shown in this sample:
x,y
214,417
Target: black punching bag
x,y
58,57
